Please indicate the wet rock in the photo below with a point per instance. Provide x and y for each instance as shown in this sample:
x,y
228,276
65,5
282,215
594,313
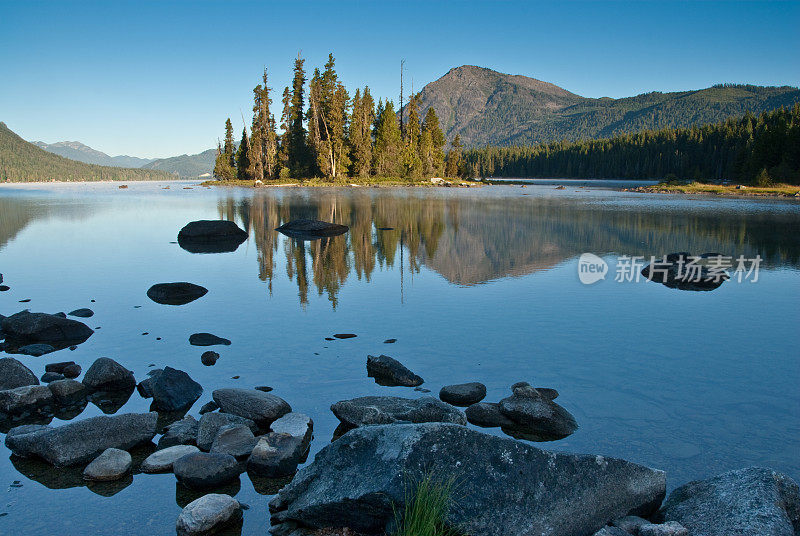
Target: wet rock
x,y
145,387
275,455
296,425
82,313
14,374
746,502
463,394
670,528
179,293
209,358
630,524
161,461
686,272
304,229
211,236
106,374
48,377
36,350
110,402
345,335
207,339
72,371
390,409
112,464
80,442
208,514
68,392
264,388
204,470
536,417
390,341
514,488
26,328
258,406
487,415
174,390
182,432
390,372
234,439
611,531
24,400
58,367
208,407
210,423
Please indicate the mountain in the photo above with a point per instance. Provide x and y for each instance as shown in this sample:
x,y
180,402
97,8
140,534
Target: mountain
x,y
186,166
486,107
21,161
75,150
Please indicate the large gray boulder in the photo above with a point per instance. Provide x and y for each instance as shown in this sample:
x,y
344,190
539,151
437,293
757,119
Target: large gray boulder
x,y
296,425
203,470
211,236
258,406
536,416
179,293
746,502
276,455
172,390
208,514
107,375
391,409
390,372
234,439
463,394
182,432
210,424
14,374
112,464
162,460
31,328
81,441
503,487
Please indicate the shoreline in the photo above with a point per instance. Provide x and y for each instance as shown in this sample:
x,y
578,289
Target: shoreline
x,y
732,190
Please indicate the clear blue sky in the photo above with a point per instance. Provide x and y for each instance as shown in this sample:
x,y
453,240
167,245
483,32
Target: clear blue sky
x,y
156,79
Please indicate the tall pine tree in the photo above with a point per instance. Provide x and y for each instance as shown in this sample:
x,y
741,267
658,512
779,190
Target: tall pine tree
x,y
360,133
243,158
388,143
295,135
327,121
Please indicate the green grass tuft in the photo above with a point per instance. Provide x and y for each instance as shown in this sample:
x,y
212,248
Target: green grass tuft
x,y
427,503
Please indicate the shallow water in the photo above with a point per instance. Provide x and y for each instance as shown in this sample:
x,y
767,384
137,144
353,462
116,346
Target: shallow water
x,y
475,284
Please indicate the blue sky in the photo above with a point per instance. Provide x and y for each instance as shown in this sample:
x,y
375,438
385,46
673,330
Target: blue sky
x,y
156,79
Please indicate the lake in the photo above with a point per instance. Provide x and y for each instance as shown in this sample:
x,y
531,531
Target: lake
x,y
477,284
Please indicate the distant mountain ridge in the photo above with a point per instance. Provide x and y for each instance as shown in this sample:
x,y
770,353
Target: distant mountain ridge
x,y
75,150
22,161
486,107
186,165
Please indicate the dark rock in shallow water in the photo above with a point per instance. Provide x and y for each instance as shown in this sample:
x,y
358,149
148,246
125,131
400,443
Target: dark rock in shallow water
x,y
175,293
686,272
208,407
80,442
276,455
208,514
112,464
390,341
110,402
311,229
26,328
107,374
746,502
204,470
391,409
536,417
25,400
234,439
211,236
68,392
345,335
209,358
487,415
263,388
84,312
48,377
36,350
296,425
174,390
258,406
72,371
514,489
207,339
14,374
210,423
463,394
182,432
163,459
390,372
58,367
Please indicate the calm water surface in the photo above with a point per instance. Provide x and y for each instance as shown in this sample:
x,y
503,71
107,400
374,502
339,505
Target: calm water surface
x,y
475,285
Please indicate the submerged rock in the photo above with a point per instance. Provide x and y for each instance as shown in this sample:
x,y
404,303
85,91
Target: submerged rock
x,y
258,406
203,470
182,432
391,409
14,374
746,502
108,375
208,514
162,460
390,372
684,271
48,377
209,358
463,394
80,442
207,339
211,236
173,390
84,312
512,488
26,328
176,293
69,369
36,350
112,464
210,424
304,229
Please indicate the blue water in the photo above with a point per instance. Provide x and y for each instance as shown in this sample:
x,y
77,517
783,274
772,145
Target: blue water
x,y
476,284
